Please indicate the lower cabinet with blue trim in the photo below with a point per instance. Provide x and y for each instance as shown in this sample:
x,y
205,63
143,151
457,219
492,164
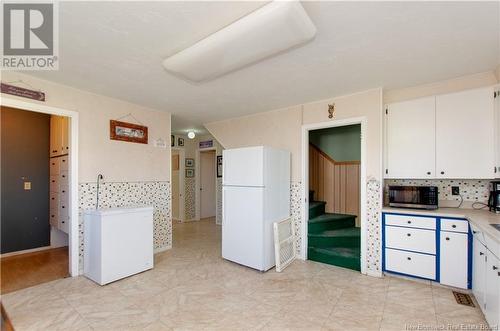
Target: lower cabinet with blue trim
x,y
428,247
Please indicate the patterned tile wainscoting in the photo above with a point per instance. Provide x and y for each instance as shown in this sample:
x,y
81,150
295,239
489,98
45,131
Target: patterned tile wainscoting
x,y
474,190
118,194
218,216
373,233
296,212
189,199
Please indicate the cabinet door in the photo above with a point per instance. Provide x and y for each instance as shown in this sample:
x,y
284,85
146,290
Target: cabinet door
x,y
492,292
64,135
54,139
497,131
410,139
479,271
465,134
453,259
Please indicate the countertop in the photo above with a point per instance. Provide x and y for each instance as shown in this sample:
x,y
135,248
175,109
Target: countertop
x,y
480,218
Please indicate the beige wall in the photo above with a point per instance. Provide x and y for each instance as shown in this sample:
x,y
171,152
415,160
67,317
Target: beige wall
x,y
116,160
447,86
497,72
282,128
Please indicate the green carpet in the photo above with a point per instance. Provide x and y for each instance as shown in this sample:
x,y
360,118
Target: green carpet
x,y
333,238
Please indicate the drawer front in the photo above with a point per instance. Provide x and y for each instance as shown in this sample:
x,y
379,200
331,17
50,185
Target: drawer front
x,y
416,240
54,166
411,221
54,184
414,264
63,190
63,210
63,179
64,163
63,225
448,224
54,200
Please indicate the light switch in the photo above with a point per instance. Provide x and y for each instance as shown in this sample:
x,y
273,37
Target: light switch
x,y
27,186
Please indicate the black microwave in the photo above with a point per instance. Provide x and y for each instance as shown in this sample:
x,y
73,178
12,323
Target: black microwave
x,y
420,197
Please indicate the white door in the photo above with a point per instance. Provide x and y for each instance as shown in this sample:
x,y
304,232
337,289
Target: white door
x,y
207,184
243,166
492,293
478,270
453,259
411,135
242,231
464,134
175,185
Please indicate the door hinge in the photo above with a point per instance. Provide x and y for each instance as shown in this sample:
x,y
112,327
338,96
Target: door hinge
x,y
387,111
386,171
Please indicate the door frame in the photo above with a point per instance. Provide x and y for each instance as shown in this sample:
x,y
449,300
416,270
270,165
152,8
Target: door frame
x,y
305,180
198,181
182,154
73,240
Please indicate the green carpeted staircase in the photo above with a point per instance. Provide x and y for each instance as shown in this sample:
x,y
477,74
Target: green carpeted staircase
x,y
332,238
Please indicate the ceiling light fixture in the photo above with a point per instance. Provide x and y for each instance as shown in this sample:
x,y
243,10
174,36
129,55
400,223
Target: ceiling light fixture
x,y
191,135
267,31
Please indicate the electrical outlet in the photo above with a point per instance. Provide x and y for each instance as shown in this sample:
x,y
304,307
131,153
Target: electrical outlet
x,y
455,190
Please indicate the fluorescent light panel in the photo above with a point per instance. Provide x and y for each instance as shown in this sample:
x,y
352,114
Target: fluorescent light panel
x,y
267,31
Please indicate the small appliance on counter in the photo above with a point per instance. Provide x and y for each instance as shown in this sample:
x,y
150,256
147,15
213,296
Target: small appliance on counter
x,y
417,197
494,200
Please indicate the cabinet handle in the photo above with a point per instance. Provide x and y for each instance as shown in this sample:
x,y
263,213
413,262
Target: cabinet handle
x,y
63,191
474,232
54,151
453,226
495,267
447,238
63,207
408,234
428,172
409,222
442,172
63,222
408,258
481,253
64,160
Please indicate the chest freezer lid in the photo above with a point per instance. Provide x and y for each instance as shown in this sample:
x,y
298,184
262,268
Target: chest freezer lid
x,y
119,210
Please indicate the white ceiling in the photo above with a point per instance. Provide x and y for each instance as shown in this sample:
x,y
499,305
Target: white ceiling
x,y
116,49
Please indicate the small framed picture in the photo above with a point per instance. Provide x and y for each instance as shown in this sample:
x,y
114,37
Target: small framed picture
x,y
172,140
219,166
128,132
180,142
189,163
189,173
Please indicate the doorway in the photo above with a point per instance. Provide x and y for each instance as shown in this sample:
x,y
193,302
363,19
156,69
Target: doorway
x,y
178,184
72,200
207,184
35,198
334,170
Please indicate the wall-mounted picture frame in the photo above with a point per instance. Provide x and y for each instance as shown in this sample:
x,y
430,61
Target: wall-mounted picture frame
x,y
180,141
189,173
129,132
172,140
189,163
219,166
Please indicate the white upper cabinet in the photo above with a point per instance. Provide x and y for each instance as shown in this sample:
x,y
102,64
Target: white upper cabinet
x,y
447,136
465,134
410,139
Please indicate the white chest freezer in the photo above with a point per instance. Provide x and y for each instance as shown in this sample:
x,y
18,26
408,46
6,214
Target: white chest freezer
x,y
118,242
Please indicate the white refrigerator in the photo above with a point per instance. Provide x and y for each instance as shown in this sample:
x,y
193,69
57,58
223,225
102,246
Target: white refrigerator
x,y
255,194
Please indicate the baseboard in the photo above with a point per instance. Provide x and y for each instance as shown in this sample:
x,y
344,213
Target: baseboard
x,y
32,250
162,249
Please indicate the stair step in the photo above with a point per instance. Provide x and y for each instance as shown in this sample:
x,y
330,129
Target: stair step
x,y
344,237
316,208
330,221
339,256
